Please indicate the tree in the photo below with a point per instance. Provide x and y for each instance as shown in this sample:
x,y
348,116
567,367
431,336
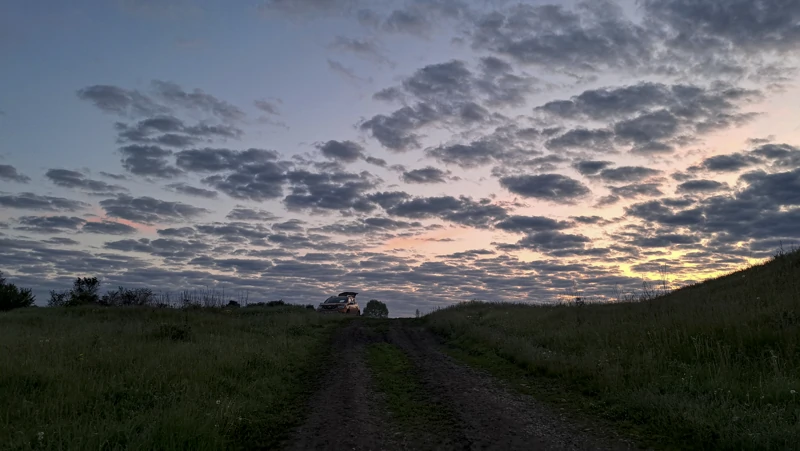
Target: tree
x,y
376,309
12,297
84,291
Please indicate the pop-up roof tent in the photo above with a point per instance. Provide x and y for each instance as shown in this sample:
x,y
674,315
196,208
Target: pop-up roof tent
x,y
348,293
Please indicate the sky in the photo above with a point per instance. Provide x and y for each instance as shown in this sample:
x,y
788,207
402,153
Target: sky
x,y
419,152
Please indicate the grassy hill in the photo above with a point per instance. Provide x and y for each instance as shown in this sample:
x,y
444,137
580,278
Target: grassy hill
x,y
711,366
156,378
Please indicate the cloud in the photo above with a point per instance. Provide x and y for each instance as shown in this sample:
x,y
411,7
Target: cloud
x,y
347,73
148,161
591,167
635,190
218,160
700,186
189,190
411,21
728,163
120,101
76,180
108,228
147,210
599,140
196,100
550,187
61,241
427,174
31,201
550,240
528,224
49,224
749,26
627,174
177,232
167,130
372,228
344,151
603,103
364,48
446,93
161,247
506,144
257,182
462,210
317,192
241,213
376,161
594,36
649,116
267,107
10,173
396,131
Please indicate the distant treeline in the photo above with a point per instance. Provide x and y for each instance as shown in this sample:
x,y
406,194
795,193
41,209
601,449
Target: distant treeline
x,y
86,291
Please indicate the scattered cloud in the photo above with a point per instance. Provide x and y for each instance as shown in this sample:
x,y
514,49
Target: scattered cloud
x,y
10,173
148,210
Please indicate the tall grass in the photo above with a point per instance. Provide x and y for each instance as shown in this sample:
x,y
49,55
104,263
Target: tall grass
x,y
147,378
711,366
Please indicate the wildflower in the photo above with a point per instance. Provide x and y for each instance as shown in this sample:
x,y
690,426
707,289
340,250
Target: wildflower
x,y
40,436
218,402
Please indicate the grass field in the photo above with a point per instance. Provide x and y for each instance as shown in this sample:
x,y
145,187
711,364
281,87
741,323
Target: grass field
x,y
147,378
712,366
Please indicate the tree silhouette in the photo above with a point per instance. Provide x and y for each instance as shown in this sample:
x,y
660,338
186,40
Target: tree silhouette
x,y
376,309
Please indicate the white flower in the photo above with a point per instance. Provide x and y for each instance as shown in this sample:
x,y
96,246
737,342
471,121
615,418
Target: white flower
x,y
40,436
218,402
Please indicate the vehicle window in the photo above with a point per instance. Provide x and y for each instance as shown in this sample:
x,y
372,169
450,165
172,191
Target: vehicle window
x,y
336,300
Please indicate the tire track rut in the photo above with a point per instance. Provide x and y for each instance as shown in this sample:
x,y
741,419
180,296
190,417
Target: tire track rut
x,y
347,413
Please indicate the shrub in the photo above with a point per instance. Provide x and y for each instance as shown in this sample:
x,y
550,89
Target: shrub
x,y
12,297
376,309
84,291
58,298
126,296
276,303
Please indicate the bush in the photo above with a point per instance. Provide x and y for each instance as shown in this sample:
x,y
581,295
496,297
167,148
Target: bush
x,y
376,309
12,297
126,296
58,298
84,291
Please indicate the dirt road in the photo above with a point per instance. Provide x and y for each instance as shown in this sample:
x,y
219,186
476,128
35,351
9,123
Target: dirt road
x,y
348,413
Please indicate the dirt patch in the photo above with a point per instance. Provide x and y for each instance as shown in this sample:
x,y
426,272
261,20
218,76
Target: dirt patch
x,y
348,413
491,416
